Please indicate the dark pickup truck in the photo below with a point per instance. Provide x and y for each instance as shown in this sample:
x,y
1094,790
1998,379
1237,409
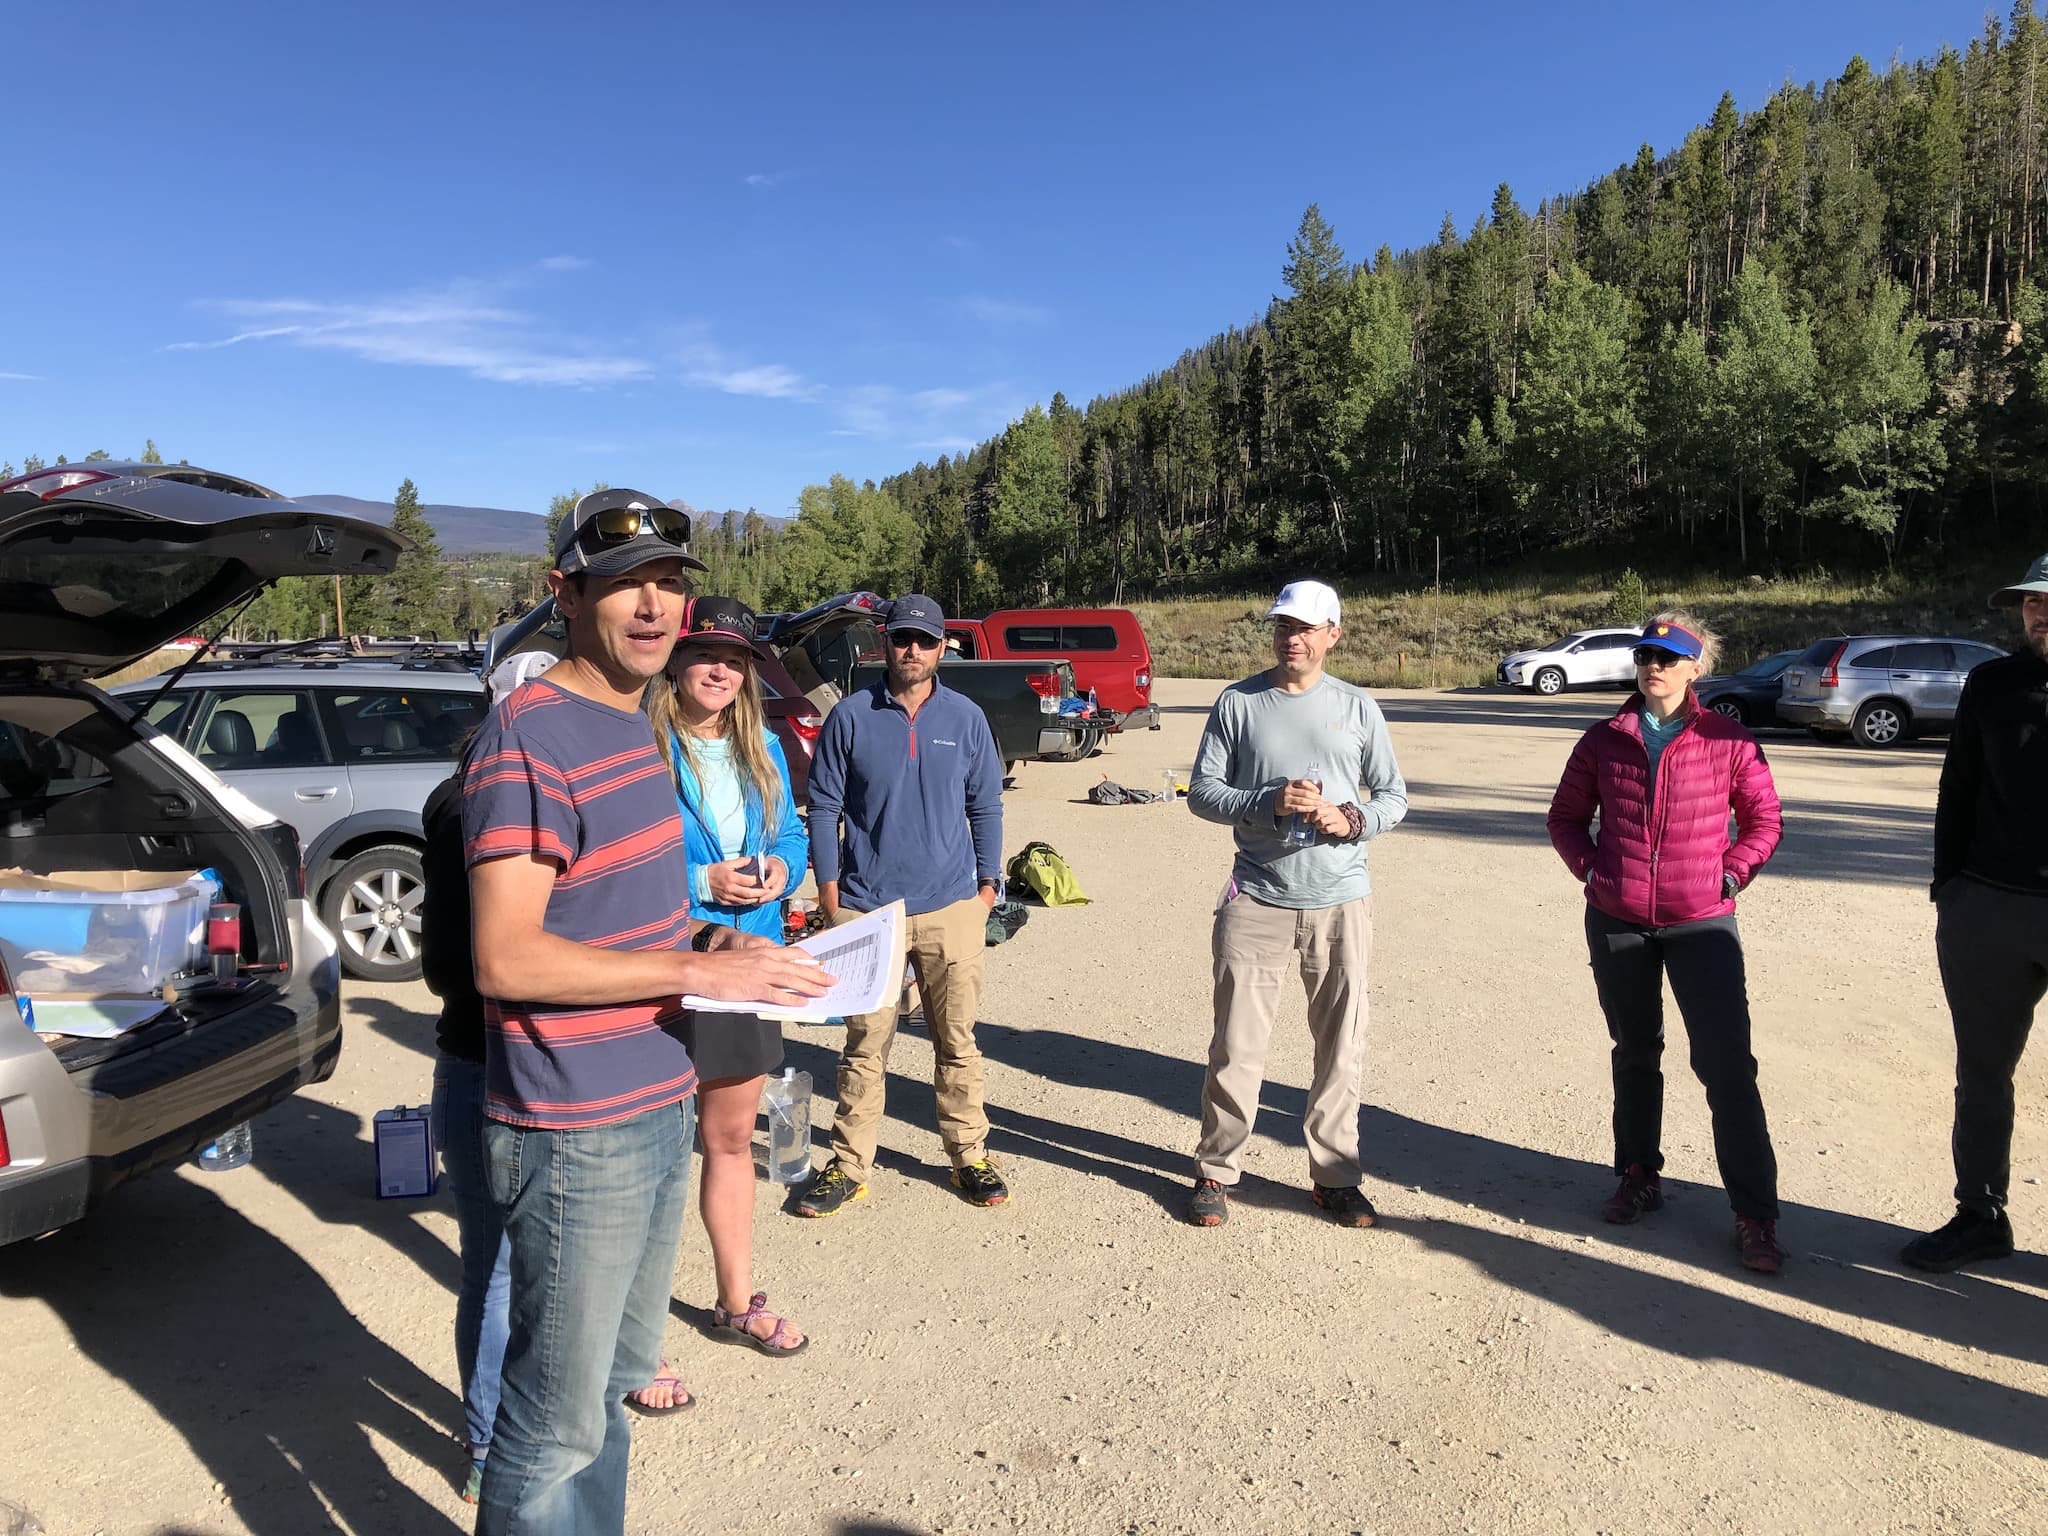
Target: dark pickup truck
x,y
836,646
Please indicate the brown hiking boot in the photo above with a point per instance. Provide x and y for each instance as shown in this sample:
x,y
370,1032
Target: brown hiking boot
x,y
1640,1193
1758,1241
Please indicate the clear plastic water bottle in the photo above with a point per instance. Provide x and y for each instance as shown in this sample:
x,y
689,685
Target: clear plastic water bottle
x,y
1301,831
1092,705
788,1099
234,1148
1169,786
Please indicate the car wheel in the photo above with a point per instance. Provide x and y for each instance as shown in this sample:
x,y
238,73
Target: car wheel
x,y
373,906
1550,680
1880,723
1733,709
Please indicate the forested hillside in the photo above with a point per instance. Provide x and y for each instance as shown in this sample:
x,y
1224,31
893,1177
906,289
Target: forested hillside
x,y
1810,334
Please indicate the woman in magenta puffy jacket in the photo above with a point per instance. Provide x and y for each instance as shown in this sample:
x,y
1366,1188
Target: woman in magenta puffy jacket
x,y
1661,876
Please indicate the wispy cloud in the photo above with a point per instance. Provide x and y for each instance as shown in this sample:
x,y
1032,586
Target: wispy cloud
x,y
707,365
21,378
958,242
935,419
564,263
1004,312
767,181
463,325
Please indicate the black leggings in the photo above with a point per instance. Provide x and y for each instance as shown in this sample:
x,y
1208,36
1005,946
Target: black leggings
x,y
1704,962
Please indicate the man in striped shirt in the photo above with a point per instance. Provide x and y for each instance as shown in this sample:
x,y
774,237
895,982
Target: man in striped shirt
x,y
581,931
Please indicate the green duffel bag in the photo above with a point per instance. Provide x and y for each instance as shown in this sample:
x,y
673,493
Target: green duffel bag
x,y
1038,870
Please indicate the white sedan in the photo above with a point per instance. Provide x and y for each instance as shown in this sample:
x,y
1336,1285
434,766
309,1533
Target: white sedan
x,y
1584,658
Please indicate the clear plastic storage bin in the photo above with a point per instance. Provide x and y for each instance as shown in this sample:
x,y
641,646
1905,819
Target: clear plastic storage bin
x,y
102,933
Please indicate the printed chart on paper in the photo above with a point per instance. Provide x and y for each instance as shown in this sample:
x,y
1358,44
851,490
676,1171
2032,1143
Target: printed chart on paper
x,y
864,955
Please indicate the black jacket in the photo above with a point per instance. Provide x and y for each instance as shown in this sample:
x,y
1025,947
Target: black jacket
x,y
1991,820
446,959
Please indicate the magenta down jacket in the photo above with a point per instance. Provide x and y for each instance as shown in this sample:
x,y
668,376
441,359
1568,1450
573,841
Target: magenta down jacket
x,y
1660,861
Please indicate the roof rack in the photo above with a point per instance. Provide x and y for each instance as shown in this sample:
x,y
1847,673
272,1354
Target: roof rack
x,y
435,655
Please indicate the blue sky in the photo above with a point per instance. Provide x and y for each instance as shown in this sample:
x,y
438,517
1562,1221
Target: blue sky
x,y
723,252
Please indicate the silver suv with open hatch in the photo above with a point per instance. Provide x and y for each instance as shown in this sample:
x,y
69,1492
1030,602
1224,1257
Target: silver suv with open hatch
x,y
1880,690
116,838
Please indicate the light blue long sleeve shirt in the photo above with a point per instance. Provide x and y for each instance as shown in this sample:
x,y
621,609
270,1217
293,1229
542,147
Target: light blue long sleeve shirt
x,y
1258,737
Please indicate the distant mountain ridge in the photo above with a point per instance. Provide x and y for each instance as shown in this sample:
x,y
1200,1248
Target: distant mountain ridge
x,y
460,530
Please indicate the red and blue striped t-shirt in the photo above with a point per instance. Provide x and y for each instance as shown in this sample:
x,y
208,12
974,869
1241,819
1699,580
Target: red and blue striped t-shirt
x,y
582,785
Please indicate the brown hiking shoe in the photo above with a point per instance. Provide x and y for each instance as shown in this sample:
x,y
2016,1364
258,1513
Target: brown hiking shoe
x,y
1209,1205
1640,1193
1758,1241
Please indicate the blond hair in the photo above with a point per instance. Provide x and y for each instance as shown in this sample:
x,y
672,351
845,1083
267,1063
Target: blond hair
x,y
743,722
1710,643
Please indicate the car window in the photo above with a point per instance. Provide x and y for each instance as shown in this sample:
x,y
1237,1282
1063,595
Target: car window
x,y
1922,656
1877,660
1032,637
1769,667
1611,642
36,769
168,713
1970,657
1818,652
402,724
1088,637
258,728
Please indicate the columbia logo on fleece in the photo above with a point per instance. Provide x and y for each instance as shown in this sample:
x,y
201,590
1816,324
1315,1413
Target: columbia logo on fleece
x,y
940,741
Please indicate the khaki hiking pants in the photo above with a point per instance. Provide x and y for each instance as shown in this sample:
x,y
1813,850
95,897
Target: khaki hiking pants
x,y
1253,947
946,947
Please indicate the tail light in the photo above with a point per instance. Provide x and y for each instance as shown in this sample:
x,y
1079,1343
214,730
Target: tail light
x,y
1045,684
7,987
1144,679
1831,676
807,728
6,1157
48,484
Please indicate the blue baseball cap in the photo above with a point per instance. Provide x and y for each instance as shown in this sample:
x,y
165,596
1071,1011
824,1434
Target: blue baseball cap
x,y
916,611
1671,637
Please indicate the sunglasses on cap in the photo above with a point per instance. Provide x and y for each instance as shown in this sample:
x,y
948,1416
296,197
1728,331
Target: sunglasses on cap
x,y
615,525
1655,656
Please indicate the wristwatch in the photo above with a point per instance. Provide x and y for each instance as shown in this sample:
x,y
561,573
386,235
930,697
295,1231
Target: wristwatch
x,y
701,939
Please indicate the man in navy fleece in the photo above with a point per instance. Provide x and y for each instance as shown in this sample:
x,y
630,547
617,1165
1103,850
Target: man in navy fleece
x,y
907,803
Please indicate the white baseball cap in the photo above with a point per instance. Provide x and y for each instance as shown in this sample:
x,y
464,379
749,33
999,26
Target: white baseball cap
x,y
514,672
1309,601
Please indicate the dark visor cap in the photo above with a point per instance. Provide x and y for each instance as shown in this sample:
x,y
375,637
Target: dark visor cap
x,y
609,533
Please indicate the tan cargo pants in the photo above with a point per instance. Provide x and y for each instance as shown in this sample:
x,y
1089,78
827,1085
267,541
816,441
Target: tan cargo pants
x,y
946,949
1252,945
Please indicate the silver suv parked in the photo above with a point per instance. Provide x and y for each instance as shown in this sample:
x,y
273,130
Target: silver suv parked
x,y
100,564
1880,689
345,749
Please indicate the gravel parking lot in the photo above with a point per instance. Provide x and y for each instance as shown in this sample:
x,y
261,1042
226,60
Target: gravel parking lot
x,y
269,1350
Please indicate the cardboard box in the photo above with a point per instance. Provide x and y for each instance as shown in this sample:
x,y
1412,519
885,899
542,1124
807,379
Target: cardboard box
x,y
406,1164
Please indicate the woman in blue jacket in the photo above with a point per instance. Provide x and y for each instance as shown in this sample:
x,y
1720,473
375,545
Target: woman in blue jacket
x,y
747,847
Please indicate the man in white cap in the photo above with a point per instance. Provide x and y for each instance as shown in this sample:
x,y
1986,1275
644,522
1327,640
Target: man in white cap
x,y
1299,766
1991,891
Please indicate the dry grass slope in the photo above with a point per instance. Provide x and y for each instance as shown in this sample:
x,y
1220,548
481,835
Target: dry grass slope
x,y
1454,639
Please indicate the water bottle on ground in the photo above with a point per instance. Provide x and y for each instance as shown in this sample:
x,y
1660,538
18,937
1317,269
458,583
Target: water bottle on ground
x,y
788,1099
234,1148
1301,831
1169,786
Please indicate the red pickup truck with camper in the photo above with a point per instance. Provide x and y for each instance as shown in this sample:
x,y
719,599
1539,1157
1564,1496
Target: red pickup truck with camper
x,y
1106,646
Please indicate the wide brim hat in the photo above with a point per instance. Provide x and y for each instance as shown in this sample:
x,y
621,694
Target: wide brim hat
x,y
2036,580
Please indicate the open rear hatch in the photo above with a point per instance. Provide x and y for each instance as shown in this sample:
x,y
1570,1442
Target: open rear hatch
x,y
99,568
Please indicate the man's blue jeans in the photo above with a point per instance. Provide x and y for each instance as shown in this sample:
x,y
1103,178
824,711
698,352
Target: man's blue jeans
x,y
480,1321
592,1217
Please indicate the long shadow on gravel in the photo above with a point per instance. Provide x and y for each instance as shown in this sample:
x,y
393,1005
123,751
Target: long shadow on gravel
x,y
242,1348
1841,1263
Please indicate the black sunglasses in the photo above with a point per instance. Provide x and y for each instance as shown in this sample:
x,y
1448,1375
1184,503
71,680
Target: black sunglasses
x,y
615,525
911,640
1656,656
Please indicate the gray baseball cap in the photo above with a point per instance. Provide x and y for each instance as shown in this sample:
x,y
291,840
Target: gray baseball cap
x,y
2036,580
609,533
